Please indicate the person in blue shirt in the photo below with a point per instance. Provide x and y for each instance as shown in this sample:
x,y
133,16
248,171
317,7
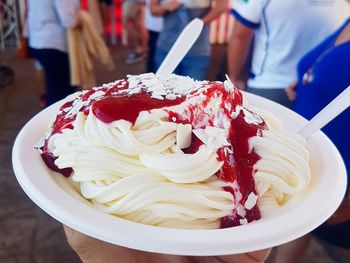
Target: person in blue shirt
x,y
323,74
47,24
176,15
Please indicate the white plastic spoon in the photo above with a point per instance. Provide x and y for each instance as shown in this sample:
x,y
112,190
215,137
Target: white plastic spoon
x,y
332,110
180,48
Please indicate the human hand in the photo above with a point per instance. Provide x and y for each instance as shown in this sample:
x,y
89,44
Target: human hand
x,y
79,19
171,5
241,84
290,90
91,250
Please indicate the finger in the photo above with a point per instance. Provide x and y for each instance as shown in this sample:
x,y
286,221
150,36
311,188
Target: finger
x,y
292,85
260,255
251,257
91,250
78,241
81,244
290,94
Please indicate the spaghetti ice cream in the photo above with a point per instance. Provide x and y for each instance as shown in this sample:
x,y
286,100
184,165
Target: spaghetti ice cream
x,y
170,151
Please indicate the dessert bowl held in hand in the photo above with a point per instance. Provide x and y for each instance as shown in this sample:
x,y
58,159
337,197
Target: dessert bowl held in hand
x,y
285,213
173,152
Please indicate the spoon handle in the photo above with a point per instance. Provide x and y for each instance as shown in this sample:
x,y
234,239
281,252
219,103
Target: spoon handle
x,y
332,110
181,46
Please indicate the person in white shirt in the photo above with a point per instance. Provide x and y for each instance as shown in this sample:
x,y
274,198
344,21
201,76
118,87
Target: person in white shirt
x,y
47,24
283,32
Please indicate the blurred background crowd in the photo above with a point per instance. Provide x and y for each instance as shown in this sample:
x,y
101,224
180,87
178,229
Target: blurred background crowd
x,y
296,53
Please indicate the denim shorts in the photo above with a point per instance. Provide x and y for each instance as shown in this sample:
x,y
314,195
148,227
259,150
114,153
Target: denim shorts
x,y
195,67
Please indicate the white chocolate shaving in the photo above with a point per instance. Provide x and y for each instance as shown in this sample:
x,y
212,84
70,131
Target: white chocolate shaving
x,y
183,135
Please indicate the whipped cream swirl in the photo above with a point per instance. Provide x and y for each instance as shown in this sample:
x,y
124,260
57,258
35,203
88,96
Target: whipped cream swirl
x,y
137,171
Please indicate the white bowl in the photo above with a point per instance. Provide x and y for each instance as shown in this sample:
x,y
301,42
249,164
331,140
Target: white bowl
x,y
51,192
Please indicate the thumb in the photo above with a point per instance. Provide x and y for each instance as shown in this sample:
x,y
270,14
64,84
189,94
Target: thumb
x,y
80,243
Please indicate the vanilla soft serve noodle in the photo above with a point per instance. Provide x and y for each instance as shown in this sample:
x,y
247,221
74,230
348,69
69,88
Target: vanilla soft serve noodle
x,y
171,151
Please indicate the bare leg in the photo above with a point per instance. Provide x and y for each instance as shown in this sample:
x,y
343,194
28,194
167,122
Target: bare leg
x,y
143,32
104,13
137,42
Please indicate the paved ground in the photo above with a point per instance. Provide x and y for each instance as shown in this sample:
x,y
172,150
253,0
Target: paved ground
x,y
27,234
